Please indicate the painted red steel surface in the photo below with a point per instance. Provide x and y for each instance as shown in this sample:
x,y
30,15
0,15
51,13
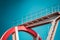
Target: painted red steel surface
x,y
20,28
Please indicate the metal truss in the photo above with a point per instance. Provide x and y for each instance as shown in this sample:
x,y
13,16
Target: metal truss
x,y
26,27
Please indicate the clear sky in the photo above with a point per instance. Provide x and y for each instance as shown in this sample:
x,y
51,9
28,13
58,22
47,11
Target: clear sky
x,y
12,12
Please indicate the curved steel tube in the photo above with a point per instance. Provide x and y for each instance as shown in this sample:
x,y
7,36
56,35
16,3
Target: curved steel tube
x,y
53,29
53,18
20,28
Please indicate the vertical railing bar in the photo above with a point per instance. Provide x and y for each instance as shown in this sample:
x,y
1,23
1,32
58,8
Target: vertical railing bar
x,y
16,31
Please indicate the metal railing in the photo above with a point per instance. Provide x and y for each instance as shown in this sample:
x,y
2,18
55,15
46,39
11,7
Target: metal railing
x,y
38,14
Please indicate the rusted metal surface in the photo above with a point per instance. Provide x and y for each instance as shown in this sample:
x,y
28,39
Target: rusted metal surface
x,y
42,20
52,18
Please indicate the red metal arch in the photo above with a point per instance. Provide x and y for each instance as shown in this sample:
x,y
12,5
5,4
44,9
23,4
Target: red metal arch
x,y
23,28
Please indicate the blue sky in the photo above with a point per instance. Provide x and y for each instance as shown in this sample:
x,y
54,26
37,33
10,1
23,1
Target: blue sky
x,y
12,11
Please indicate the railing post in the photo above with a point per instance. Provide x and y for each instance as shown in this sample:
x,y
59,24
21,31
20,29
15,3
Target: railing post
x,y
15,35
